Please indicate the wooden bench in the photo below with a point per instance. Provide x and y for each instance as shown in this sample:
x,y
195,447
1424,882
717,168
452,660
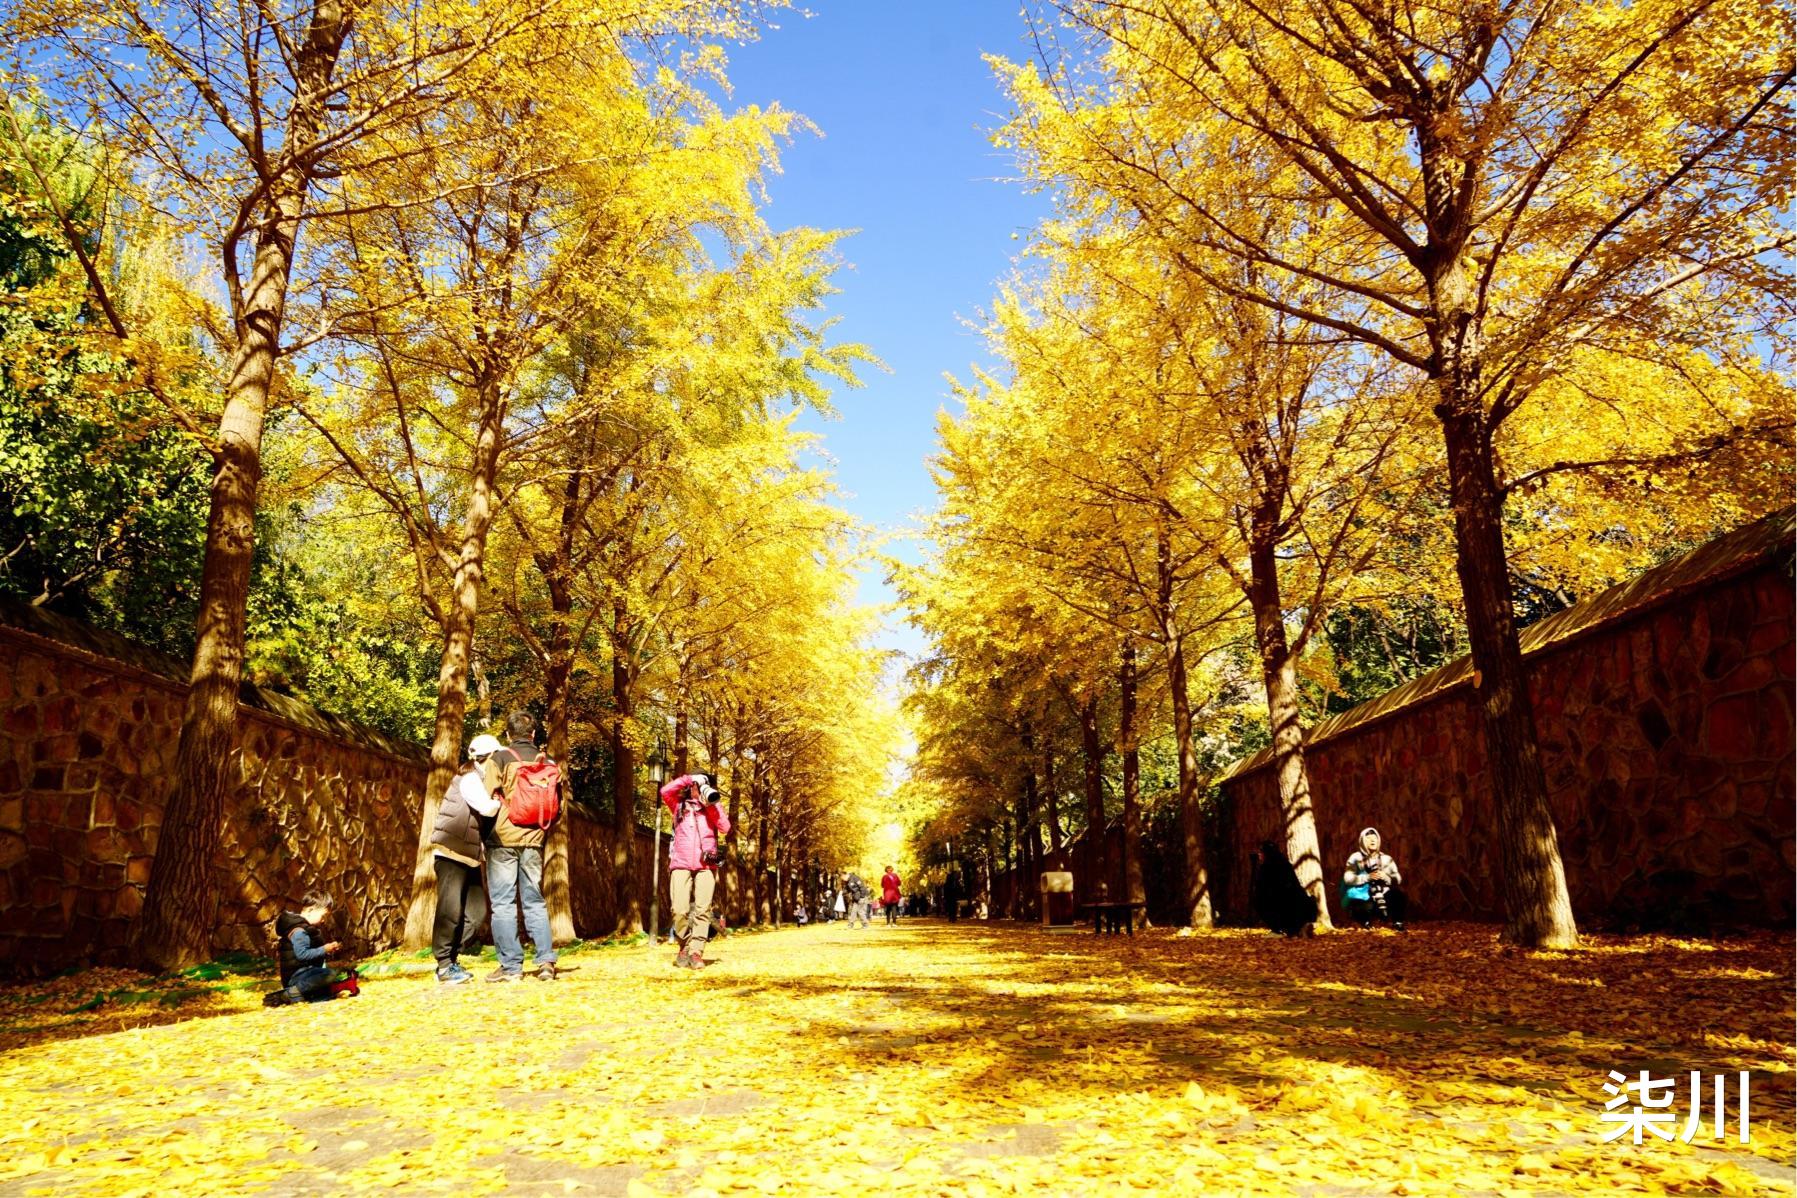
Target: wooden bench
x,y
1112,917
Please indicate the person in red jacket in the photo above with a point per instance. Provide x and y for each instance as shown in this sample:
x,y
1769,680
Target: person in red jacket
x,y
890,894
692,861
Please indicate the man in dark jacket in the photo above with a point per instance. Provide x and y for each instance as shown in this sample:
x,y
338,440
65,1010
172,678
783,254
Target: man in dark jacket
x,y
466,811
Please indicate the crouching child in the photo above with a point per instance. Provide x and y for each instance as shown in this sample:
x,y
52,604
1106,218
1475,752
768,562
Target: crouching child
x,y
303,949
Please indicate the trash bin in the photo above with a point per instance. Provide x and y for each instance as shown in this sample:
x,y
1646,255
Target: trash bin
x,y
1057,898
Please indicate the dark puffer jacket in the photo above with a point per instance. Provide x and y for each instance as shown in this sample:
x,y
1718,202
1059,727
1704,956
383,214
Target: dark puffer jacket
x,y
292,960
458,828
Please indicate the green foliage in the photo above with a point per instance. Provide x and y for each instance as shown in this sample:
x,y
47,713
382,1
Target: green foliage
x,y
93,494
326,625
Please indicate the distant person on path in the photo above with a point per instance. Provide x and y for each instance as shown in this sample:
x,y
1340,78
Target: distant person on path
x,y
693,857
463,818
858,895
303,949
891,895
1280,900
1371,884
515,851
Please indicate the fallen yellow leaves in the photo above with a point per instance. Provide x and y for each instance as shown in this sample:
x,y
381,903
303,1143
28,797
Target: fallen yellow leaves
x,y
931,1060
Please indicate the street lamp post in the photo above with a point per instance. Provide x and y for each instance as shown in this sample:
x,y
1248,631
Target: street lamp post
x,y
658,773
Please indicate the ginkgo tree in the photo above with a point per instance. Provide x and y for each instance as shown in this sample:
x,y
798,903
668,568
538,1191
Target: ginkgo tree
x,y
239,125
1483,195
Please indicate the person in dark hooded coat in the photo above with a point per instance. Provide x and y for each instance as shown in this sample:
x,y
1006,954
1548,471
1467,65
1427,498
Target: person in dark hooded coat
x,y
1280,900
302,948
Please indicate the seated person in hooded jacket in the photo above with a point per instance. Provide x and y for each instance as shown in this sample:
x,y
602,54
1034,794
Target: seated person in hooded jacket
x,y
1371,884
303,949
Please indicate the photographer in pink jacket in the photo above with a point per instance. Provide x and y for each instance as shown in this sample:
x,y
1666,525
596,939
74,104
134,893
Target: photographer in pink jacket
x,y
693,859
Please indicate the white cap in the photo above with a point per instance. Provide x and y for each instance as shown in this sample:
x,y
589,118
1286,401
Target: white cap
x,y
482,745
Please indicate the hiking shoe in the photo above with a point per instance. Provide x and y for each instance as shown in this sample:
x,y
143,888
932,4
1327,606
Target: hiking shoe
x,y
546,972
502,974
679,962
453,975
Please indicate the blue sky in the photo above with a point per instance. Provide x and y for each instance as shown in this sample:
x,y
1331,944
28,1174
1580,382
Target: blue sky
x,y
906,107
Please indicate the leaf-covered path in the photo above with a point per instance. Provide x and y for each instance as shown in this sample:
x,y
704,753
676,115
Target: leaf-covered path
x,y
935,1059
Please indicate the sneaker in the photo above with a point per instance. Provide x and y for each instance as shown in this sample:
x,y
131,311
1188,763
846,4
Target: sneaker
x,y
502,974
546,972
679,962
453,974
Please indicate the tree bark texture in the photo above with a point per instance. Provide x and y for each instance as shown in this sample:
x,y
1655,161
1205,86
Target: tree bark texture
x,y
1302,846
181,899
1538,904
452,670
1195,905
1134,887
629,901
1096,868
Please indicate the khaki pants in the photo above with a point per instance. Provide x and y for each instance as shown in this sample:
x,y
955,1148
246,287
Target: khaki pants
x,y
692,890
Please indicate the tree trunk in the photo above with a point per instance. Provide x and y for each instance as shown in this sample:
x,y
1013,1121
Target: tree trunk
x,y
181,898
987,855
1012,871
557,568
782,859
629,901
1537,903
1029,847
759,800
1029,833
1195,900
1196,904
558,888
1134,889
452,670
1280,677
1053,799
1092,748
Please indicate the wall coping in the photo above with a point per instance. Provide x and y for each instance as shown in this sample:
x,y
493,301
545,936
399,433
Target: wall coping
x,y
55,633
1742,551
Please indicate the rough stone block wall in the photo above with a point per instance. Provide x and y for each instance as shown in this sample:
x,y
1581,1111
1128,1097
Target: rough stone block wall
x,y
89,724
87,750
1667,738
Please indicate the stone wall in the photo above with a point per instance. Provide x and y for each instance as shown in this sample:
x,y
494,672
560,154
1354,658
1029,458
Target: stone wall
x,y
88,728
90,724
1664,711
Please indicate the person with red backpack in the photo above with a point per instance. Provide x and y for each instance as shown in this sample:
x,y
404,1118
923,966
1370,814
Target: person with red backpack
x,y
528,787
693,859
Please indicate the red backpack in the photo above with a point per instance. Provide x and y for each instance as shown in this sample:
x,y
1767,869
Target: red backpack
x,y
534,798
